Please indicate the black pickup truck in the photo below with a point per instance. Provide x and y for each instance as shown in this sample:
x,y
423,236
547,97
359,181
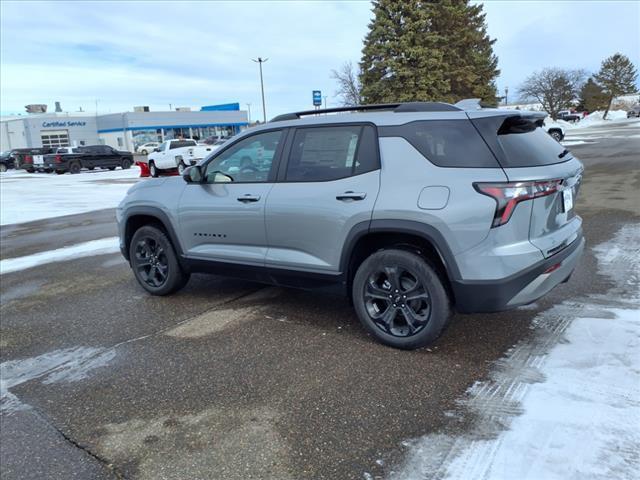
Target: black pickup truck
x,y
90,157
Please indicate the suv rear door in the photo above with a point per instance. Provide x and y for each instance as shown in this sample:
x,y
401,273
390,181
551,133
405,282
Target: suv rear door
x,y
328,184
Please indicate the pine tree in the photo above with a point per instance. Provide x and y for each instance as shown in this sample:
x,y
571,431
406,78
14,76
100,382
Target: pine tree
x,y
427,50
617,76
592,97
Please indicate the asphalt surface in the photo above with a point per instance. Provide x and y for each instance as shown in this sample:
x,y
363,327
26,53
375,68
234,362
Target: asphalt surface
x,y
231,379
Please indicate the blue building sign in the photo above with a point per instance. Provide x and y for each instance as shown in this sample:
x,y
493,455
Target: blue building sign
x,y
317,98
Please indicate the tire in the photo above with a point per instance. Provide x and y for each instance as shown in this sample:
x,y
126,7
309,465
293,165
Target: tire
x,y
91,168
153,170
126,164
181,167
3,168
75,167
382,290
48,170
556,135
60,172
30,170
144,152
155,263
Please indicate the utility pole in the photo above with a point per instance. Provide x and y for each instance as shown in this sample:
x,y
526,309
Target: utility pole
x,y
325,101
506,93
170,107
249,112
260,61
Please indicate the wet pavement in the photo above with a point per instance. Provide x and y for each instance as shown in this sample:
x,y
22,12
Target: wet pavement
x,y
231,379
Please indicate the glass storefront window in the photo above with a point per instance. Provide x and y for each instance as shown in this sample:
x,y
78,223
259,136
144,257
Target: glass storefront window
x,y
144,136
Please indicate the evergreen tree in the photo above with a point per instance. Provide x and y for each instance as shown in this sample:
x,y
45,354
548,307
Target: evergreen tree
x,y
427,50
617,76
592,97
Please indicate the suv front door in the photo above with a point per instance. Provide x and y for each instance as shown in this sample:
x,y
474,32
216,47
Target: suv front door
x,y
329,184
222,218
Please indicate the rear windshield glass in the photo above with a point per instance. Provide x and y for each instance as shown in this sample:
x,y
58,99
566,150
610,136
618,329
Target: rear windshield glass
x,y
527,145
445,143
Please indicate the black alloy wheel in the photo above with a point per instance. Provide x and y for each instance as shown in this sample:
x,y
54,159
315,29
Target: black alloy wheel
x,y
151,262
75,167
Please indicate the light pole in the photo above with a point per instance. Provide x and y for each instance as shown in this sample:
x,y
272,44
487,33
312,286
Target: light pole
x,y
506,92
260,61
249,112
325,101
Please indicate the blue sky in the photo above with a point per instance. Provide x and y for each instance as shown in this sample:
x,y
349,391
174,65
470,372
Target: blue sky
x,y
199,53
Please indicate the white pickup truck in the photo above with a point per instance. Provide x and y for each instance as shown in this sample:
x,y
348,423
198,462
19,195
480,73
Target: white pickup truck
x,y
180,154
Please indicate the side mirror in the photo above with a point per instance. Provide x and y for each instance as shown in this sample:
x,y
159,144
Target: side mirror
x,y
192,174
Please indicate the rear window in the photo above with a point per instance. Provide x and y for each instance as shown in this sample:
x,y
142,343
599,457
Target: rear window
x,y
445,143
525,144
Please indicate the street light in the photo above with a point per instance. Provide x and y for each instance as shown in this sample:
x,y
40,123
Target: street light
x,y
506,93
260,61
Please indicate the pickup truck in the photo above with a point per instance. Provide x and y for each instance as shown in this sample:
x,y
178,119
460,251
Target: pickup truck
x,y
74,160
179,154
569,116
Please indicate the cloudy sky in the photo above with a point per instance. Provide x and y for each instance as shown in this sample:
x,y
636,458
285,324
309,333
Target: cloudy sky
x,y
122,54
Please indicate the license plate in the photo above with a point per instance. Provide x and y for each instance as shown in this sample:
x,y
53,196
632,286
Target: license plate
x,y
38,159
567,197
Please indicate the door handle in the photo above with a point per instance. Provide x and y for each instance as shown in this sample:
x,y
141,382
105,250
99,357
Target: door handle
x,y
349,195
249,198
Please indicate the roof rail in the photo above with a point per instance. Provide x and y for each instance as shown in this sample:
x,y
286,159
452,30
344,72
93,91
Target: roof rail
x,y
394,107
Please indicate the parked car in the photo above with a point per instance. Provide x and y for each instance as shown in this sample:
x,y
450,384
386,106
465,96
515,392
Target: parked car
x,y
569,116
102,156
634,112
410,209
31,159
6,161
554,129
176,154
146,148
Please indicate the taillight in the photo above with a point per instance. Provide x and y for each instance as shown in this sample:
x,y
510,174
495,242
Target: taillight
x,y
28,159
508,195
58,158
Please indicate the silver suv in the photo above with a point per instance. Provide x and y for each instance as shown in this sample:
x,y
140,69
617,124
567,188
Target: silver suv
x,y
410,209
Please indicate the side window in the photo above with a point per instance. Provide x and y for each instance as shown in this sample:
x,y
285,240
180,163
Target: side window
x,y
249,160
329,153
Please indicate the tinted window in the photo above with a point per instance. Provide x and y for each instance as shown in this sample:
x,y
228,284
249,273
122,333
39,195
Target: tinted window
x,y
328,153
526,145
445,143
248,160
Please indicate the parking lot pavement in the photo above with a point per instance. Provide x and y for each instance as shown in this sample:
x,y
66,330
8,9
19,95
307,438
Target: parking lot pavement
x,y
230,379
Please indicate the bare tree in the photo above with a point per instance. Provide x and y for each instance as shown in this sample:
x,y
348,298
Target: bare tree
x,y
348,85
554,88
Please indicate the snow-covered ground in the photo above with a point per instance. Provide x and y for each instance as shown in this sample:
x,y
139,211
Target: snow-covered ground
x,y
564,404
72,252
25,197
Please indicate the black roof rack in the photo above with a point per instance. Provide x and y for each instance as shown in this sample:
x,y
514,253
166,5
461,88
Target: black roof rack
x,y
394,107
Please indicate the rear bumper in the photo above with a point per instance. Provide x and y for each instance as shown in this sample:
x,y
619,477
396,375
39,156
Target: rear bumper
x,y
520,288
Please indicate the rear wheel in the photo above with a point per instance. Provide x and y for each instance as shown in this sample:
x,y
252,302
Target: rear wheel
x,y
75,167
153,170
400,299
181,167
126,163
144,152
155,263
556,135
3,168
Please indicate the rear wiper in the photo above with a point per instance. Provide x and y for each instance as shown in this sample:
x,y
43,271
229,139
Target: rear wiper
x,y
563,154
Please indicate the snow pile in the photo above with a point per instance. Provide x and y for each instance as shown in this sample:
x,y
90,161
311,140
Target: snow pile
x,y
25,197
562,404
93,247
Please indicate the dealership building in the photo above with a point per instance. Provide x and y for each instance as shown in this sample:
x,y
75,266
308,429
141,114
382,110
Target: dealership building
x,y
123,131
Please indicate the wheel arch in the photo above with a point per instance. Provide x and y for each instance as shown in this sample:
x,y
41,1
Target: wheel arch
x,y
367,238
140,216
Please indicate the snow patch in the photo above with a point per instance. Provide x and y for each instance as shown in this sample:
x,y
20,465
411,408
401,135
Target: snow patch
x,y
72,252
69,364
26,197
563,404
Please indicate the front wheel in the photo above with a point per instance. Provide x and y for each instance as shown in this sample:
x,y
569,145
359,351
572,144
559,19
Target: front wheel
x,y
144,152
126,164
557,136
3,168
181,167
400,299
155,263
153,170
